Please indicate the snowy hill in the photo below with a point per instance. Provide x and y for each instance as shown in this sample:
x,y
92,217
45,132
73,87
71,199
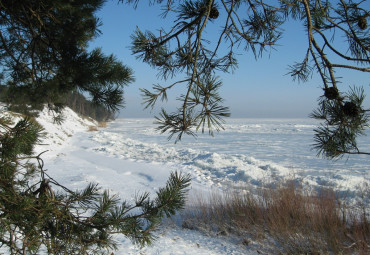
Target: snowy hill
x,y
55,135
58,134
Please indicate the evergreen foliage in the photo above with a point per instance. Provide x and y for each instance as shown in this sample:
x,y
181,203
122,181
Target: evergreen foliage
x,y
344,120
43,54
257,26
44,60
79,104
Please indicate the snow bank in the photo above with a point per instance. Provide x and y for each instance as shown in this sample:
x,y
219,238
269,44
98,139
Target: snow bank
x,y
217,168
55,135
14,117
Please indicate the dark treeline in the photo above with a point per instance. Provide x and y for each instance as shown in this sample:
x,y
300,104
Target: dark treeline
x,y
18,100
79,104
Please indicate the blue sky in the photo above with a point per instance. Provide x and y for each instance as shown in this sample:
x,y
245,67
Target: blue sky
x,y
257,89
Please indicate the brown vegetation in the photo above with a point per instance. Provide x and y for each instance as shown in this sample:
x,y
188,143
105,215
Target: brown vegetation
x,y
102,124
298,222
93,128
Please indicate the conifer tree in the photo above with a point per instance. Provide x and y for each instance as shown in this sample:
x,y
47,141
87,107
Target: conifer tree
x,y
44,53
43,57
256,25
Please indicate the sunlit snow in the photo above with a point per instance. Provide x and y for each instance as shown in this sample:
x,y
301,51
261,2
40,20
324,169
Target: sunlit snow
x,y
129,156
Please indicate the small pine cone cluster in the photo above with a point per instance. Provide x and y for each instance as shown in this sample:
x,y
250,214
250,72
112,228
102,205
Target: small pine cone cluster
x,y
350,109
214,13
331,93
362,22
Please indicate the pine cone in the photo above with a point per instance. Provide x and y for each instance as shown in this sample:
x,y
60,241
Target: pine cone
x,y
214,13
331,93
362,22
350,109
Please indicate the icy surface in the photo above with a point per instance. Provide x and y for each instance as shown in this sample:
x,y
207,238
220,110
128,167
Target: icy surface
x,y
252,151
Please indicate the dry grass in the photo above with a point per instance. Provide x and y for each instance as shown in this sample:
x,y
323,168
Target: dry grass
x,y
102,124
93,128
298,222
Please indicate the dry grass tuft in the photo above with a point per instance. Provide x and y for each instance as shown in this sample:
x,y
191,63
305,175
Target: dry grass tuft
x,y
93,128
299,222
102,124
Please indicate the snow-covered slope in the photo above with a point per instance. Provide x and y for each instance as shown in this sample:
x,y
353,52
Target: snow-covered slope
x,y
54,135
57,135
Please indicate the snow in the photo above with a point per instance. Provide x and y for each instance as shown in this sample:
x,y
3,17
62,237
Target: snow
x,y
254,152
56,135
76,157
128,157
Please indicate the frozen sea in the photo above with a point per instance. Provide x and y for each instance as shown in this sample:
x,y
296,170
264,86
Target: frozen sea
x,y
253,152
